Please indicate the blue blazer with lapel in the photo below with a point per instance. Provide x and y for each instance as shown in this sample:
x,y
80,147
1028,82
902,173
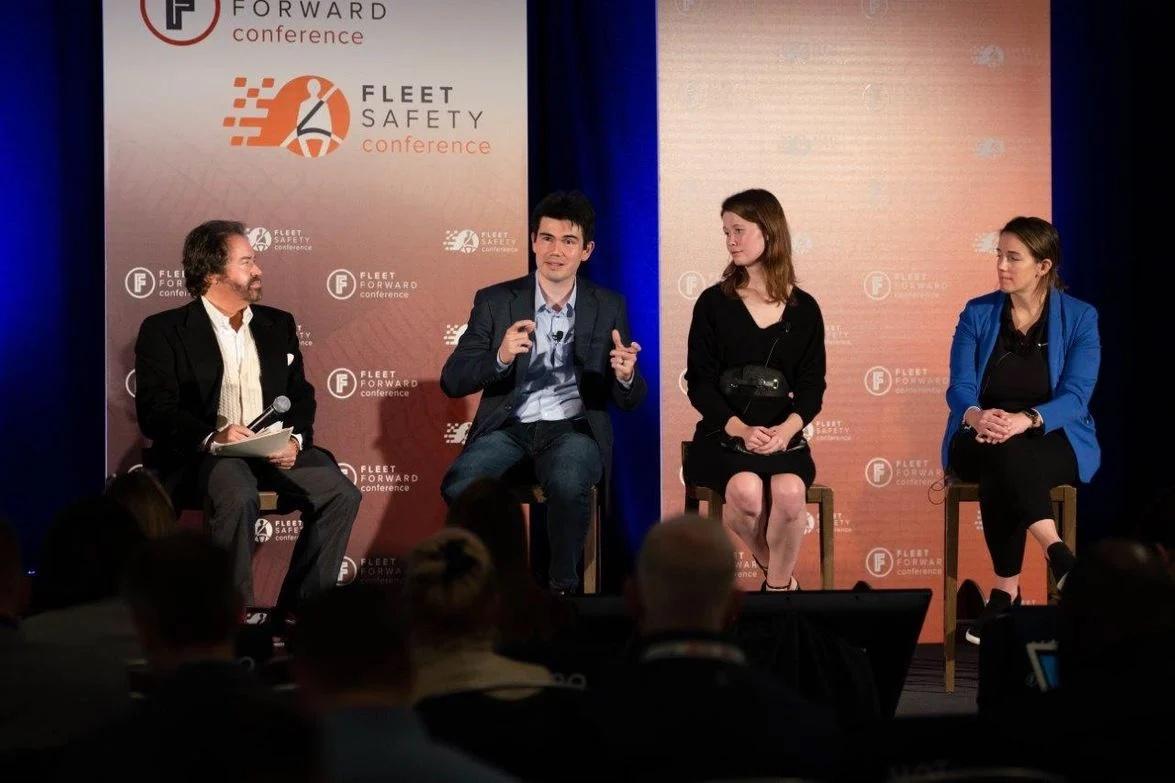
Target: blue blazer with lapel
x,y
1074,353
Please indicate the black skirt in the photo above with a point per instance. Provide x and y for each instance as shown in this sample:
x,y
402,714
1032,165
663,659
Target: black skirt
x,y
712,466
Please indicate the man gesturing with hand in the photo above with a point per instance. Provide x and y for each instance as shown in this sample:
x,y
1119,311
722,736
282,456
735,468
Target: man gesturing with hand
x,y
547,351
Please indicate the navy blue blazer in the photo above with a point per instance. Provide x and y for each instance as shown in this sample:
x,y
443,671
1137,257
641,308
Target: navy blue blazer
x,y
472,367
1074,353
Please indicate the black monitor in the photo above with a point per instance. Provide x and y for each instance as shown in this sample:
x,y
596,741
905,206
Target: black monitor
x,y
884,623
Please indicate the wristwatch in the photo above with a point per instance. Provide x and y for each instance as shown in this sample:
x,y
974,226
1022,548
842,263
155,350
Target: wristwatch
x,y
1033,416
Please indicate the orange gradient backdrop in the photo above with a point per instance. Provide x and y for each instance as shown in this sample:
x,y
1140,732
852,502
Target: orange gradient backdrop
x,y
408,196
899,136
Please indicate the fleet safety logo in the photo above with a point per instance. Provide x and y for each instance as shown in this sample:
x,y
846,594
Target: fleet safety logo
x,y
308,115
180,22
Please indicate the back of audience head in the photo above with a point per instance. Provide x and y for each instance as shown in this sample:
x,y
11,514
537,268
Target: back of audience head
x,y
182,597
490,511
350,646
85,552
141,494
13,584
450,590
685,577
1117,614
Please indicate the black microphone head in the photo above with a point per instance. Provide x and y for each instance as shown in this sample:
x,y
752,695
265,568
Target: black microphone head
x,y
281,404
558,335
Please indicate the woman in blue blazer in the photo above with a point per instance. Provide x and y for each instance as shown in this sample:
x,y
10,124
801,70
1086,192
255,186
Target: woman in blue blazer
x,y
1024,361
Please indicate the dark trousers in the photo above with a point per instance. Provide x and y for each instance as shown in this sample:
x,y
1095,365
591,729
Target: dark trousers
x,y
314,485
567,464
1014,480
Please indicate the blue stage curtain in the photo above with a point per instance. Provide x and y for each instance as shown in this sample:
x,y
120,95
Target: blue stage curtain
x,y
593,127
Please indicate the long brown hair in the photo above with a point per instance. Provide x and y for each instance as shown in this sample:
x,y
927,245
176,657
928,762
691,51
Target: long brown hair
x,y
763,209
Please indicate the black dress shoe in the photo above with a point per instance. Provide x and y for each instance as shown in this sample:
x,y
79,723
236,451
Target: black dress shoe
x,y
999,603
1061,562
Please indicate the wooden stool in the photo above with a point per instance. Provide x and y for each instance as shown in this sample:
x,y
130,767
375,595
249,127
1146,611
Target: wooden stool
x,y
1064,498
529,494
819,494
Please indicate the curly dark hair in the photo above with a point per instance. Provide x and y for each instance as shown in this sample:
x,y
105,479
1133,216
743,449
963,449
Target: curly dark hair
x,y
206,252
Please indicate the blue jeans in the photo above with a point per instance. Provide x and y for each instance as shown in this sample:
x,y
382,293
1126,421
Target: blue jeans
x,y
567,465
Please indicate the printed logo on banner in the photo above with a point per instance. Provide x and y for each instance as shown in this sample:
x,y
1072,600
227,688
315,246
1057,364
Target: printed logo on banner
x,y
904,285
130,384
877,285
836,334
305,338
691,284
991,55
347,571
180,22
463,241
453,333
140,283
348,470
841,523
285,240
989,148
386,478
878,381
828,430
978,520
309,115
809,523
341,284
878,472
916,562
341,383
259,239
379,570
904,380
456,433
276,530
467,241
916,472
874,8
681,383
879,562
987,243
801,244
375,284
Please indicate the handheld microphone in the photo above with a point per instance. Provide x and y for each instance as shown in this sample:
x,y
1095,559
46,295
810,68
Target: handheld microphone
x,y
280,405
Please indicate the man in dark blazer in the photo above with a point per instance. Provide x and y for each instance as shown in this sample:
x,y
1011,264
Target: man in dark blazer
x,y
547,351
206,370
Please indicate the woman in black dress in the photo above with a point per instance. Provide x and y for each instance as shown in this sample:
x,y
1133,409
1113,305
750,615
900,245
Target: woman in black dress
x,y
755,372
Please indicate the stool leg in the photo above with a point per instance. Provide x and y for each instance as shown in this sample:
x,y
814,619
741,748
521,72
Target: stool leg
x,y
1069,521
950,587
1052,591
591,554
714,507
827,536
